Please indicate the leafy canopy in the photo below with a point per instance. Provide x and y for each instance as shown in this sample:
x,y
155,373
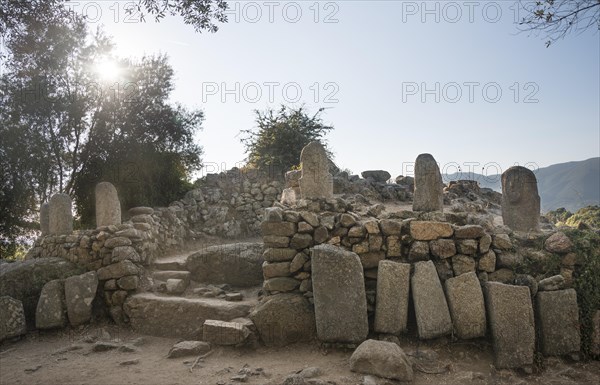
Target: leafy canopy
x,y
276,142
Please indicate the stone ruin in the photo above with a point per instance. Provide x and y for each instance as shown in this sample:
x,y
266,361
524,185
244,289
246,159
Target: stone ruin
x,y
326,272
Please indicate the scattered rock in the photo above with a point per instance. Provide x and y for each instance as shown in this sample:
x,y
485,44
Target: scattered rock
x,y
555,282
558,243
104,346
188,348
224,333
383,359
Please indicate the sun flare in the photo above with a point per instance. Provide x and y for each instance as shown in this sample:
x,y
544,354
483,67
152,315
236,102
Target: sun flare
x,y
107,68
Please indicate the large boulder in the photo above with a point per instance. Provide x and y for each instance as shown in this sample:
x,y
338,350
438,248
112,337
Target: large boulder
x,y
12,318
511,320
284,319
339,295
24,280
380,176
80,292
383,359
237,264
51,311
558,322
431,308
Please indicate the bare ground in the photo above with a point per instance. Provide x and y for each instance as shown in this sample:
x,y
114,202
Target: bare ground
x,y
66,358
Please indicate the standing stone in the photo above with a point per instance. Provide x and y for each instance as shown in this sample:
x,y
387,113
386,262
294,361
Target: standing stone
x,y
558,322
520,199
393,280
12,318
339,295
51,311
431,308
45,218
61,215
467,308
316,181
108,207
428,193
80,292
510,314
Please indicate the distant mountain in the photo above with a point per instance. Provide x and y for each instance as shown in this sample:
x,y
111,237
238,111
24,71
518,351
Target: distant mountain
x,y
571,185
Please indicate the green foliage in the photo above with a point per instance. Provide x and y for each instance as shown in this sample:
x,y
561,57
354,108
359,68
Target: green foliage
x,y
275,145
585,216
558,216
63,125
589,216
587,281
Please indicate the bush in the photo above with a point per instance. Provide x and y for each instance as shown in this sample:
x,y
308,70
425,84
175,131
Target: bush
x,y
275,145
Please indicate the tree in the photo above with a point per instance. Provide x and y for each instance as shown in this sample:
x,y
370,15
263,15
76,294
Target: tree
x,y
277,141
555,19
203,15
62,123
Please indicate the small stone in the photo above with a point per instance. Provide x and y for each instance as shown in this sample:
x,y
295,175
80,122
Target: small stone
x,y
419,251
130,362
347,220
188,348
299,260
443,248
462,264
484,243
467,246
104,346
502,242
555,282
383,359
428,231
469,231
301,241
234,297
176,286
487,262
224,333
390,227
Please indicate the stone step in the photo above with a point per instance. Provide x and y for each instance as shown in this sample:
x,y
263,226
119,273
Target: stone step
x,y
164,275
180,317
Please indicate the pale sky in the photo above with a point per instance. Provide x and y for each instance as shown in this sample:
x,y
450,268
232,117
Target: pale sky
x,y
378,67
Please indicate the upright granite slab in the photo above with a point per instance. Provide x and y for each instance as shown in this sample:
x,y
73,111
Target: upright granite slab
x,y
12,318
557,317
60,215
339,295
316,181
467,308
108,207
431,308
510,315
80,292
428,193
51,311
391,311
520,199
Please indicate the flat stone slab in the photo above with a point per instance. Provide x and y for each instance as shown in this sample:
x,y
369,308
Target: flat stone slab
x,y
557,317
51,311
431,308
12,318
467,308
179,317
511,320
339,295
393,283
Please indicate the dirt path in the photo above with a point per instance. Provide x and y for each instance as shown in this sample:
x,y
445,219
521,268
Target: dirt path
x,y
47,358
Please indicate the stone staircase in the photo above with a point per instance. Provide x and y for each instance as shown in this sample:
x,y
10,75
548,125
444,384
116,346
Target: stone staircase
x,y
214,283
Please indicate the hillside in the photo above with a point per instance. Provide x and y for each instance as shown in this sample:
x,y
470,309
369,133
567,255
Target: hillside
x,y
571,185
